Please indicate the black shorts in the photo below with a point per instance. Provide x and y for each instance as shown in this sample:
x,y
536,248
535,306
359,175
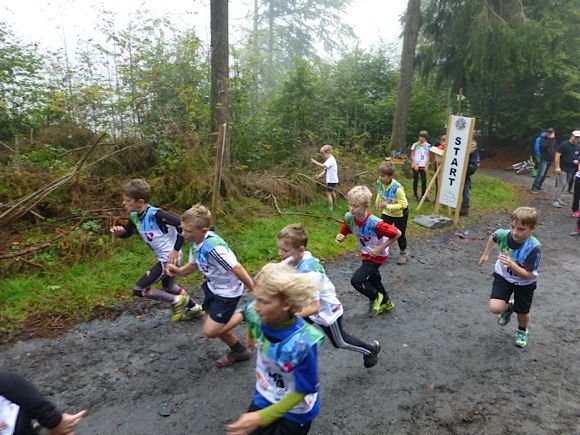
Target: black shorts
x,y
220,309
523,294
280,426
331,186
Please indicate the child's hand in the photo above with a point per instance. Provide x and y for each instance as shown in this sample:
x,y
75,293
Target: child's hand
x,y
314,161
117,230
248,422
173,258
250,342
67,424
339,238
506,260
483,259
171,269
376,251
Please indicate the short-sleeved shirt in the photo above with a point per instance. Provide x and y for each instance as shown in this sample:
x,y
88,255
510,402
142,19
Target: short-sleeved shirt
x,y
216,260
331,170
330,306
526,254
370,232
569,152
421,154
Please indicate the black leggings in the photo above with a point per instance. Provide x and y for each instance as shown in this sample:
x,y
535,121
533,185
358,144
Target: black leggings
x,y
416,174
280,426
401,224
157,273
367,280
576,200
341,339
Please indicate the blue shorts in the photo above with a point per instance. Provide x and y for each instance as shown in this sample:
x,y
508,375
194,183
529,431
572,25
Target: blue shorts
x,y
220,309
331,186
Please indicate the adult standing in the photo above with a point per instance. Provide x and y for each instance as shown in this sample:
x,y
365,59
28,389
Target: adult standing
x,y
472,166
565,163
547,153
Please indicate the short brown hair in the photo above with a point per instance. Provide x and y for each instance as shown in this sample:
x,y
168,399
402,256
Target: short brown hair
x,y
295,234
137,189
424,133
527,216
198,215
387,168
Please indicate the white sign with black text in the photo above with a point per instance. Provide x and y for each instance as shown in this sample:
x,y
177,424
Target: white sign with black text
x,y
459,135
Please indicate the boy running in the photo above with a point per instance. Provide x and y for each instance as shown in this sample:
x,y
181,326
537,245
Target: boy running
x,y
374,237
161,231
392,202
225,280
330,169
325,309
516,270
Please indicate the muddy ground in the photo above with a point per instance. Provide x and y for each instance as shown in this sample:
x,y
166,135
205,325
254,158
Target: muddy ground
x,y
446,366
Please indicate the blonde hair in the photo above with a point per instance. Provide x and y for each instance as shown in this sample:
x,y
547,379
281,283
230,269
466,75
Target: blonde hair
x,y
198,215
387,168
282,281
359,195
295,234
137,189
527,216
325,149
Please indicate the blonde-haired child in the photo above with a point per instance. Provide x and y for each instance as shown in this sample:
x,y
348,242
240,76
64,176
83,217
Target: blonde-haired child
x,y
330,169
374,237
225,280
286,397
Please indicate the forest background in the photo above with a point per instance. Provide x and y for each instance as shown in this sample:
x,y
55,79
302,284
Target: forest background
x,y
75,126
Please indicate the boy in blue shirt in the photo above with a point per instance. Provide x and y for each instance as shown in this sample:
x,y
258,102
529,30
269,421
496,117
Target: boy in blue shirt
x,y
516,270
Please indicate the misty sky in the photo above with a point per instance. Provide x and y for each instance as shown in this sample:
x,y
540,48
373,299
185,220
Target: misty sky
x,y
43,21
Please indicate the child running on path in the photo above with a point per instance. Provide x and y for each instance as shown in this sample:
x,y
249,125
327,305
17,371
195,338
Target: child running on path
x,y
374,237
392,202
286,397
330,169
161,231
225,280
516,270
325,310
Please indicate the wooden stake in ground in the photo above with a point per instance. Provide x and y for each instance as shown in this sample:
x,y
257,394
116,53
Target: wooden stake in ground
x,y
219,153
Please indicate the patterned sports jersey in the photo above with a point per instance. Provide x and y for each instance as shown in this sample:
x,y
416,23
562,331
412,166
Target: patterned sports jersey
x,y
216,260
160,243
393,193
421,154
8,416
279,363
330,306
518,255
366,234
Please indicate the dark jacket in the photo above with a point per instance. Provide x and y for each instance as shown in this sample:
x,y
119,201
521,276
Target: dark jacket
x,y
548,149
473,163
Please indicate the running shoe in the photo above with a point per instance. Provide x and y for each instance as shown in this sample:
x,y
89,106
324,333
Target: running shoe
x,y
194,312
375,307
504,318
372,358
557,204
576,214
402,259
387,306
233,358
521,339
179,307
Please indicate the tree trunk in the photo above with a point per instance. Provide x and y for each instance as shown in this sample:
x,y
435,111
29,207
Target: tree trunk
x,y
410,35
219,63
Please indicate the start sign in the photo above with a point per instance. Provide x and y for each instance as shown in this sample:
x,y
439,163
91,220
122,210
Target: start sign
x,y
459,135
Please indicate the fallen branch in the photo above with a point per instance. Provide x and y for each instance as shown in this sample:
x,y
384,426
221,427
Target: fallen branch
x,y
34,249
297,213
322,184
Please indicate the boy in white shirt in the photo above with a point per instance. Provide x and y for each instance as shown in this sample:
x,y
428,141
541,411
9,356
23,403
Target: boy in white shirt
x,y
331,170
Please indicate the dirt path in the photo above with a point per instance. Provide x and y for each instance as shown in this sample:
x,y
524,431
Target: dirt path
x,y
446,366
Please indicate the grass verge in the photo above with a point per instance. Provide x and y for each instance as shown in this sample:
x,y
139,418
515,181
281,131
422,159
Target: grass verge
x,y
76,290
